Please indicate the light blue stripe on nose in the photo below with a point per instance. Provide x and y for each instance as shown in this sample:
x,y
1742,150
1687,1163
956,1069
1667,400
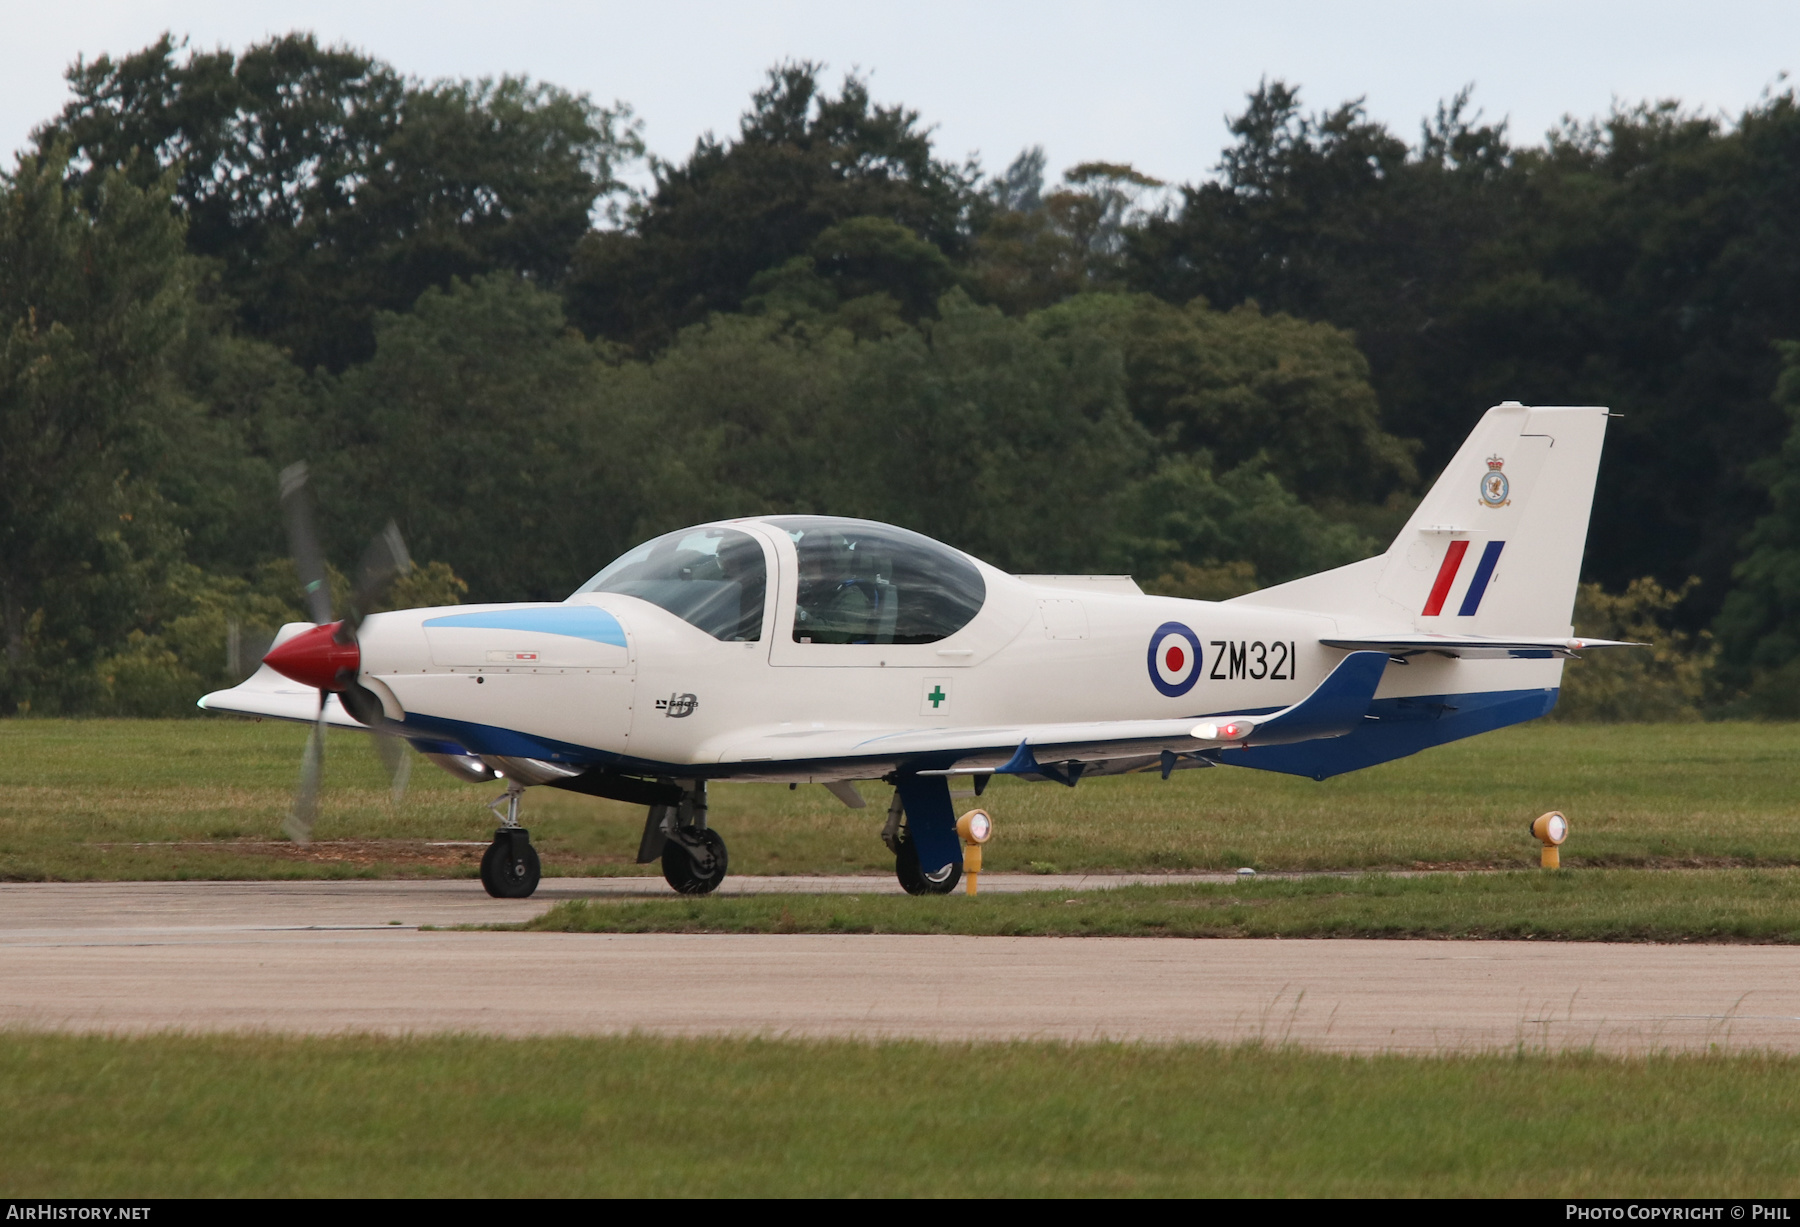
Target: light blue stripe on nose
x,y
575,621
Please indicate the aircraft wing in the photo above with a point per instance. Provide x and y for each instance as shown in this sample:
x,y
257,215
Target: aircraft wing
x,y
1477,647
268,694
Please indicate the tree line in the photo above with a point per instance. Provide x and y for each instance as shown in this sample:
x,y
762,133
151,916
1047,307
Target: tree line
x,y
445,297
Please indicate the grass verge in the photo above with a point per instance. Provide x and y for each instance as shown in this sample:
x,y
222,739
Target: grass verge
x,y
259,1116
124,799
1617,905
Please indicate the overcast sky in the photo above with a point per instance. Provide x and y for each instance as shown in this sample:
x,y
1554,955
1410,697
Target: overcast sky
x,y
1147,83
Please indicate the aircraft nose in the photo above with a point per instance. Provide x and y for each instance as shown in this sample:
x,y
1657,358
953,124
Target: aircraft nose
x,y
315,658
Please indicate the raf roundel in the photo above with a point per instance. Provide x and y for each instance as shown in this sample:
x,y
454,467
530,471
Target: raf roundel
x,y
1174,659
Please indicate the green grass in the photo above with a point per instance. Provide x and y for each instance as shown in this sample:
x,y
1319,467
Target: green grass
x,y
202,798
1607,905
176,1116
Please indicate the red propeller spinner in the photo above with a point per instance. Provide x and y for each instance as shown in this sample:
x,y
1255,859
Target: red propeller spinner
x,y
315,658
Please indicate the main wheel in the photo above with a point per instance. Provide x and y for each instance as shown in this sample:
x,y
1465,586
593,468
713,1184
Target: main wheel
x,y
914,880
510,868
691,876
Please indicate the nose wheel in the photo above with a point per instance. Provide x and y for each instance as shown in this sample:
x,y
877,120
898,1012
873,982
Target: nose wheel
x,y
510,867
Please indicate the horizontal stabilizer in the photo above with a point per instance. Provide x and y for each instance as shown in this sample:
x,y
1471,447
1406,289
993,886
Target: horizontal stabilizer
x,y
1478,647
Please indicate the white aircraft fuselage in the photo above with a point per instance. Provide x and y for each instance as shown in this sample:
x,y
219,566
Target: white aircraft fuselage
x,y
672,700
817,649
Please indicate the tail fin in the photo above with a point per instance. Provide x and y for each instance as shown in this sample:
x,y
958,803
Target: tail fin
x,y
1495,547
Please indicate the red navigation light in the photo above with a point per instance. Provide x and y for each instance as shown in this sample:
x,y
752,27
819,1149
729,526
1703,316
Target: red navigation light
x,y
1223,732
315,658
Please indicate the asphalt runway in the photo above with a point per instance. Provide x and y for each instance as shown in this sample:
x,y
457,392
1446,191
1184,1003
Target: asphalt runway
x,y
350,956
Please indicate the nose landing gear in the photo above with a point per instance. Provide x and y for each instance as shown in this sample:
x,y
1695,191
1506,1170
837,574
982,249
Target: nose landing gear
x,y
510,868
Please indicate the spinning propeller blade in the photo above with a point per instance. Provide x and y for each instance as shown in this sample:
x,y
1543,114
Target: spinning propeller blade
x,y
365,705
299,824
297,510
394,757
383,562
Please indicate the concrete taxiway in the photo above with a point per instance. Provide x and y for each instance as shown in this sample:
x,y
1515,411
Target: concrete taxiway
x,y
329,956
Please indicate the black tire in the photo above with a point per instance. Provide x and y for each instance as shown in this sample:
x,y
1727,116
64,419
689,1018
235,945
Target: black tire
x,y
912,879
681,871
510,869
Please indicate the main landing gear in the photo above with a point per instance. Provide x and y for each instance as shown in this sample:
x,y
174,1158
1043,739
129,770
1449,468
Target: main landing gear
x,y
510,867
694,859
913,879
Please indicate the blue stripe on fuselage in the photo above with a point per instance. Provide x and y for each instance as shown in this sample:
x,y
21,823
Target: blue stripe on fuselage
x,y
492,739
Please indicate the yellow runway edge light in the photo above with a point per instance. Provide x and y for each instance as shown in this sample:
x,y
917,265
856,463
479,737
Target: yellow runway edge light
x,y
1550,830
973,828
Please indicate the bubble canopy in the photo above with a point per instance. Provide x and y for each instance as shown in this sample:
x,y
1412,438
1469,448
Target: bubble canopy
x,y
711,578
863,582
859,581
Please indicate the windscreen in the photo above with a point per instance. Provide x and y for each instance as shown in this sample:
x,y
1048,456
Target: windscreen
x,y
712,578
862,582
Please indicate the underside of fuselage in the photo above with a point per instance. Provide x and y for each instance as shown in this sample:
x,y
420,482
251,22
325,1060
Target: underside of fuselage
x,y
1393,728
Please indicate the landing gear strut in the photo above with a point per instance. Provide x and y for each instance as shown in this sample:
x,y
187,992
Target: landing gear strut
x,y
913,879
694,859
510,867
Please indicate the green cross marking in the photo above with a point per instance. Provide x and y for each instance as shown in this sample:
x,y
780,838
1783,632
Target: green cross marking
x,y
937,696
